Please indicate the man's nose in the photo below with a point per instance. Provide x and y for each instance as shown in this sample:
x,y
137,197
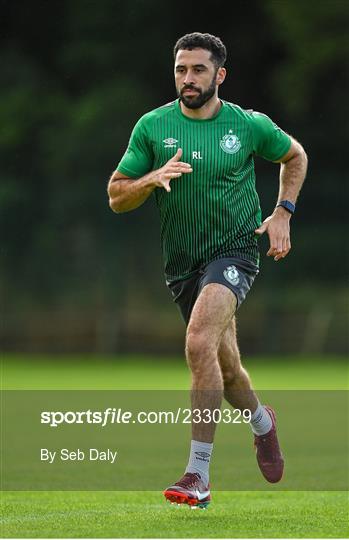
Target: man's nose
x,y
189,78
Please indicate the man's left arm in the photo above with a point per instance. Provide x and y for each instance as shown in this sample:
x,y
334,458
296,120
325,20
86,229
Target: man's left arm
x,y
293,169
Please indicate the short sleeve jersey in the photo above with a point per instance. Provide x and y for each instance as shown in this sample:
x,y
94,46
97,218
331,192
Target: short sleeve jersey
x,y
213,211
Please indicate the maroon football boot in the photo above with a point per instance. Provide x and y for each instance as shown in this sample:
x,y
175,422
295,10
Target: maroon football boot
x,y
268,453
190,490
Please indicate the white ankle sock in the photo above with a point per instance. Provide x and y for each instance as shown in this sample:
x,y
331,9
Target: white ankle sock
x,y
199,459
260,421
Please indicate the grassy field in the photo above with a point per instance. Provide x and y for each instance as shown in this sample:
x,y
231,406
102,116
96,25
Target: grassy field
x,y
239,514
136,373
146,515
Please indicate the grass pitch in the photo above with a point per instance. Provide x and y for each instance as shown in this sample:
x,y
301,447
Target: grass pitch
x,y
242,514
146,515
28,372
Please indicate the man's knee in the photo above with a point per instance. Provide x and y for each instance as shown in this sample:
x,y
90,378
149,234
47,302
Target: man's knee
x,y
198,348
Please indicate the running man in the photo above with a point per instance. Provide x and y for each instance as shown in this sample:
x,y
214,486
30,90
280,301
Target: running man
x,y
196,154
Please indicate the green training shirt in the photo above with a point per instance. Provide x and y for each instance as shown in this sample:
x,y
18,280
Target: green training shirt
x,y
213,211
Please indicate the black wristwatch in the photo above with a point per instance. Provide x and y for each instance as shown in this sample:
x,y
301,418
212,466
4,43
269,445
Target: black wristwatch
x,y
290,207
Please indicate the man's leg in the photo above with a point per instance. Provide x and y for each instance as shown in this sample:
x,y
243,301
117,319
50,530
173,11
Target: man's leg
x,y
239,393
211,316
237,384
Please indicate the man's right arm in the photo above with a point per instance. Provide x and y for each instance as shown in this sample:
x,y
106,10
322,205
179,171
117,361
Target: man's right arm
x,y
127,194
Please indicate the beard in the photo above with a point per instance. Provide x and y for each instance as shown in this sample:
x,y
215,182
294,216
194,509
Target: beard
x,y
195,102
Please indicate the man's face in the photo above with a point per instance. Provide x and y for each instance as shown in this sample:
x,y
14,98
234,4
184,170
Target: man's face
x,y
196,77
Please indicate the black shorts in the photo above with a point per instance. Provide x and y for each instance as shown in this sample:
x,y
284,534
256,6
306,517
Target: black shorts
x,y
236,274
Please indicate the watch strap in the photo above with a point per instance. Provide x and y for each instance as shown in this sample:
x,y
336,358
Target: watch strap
x,y
290,207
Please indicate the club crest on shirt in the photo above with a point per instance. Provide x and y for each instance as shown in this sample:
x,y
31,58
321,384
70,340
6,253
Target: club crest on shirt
x,y
231,274
230,143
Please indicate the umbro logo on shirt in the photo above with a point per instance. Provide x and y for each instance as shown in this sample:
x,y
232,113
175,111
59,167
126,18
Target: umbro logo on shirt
x,y
170,142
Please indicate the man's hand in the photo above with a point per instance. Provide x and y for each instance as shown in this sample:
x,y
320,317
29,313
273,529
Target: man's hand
x,y
278,228
126,193
172,169
292,174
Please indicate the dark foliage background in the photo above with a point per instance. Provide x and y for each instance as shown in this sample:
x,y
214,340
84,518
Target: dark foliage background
x,y
75,76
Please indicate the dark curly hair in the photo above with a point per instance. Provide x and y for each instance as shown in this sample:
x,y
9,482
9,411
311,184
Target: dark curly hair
x,y
211,43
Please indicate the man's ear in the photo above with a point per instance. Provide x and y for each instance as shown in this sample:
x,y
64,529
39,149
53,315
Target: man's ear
x,y
221,74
